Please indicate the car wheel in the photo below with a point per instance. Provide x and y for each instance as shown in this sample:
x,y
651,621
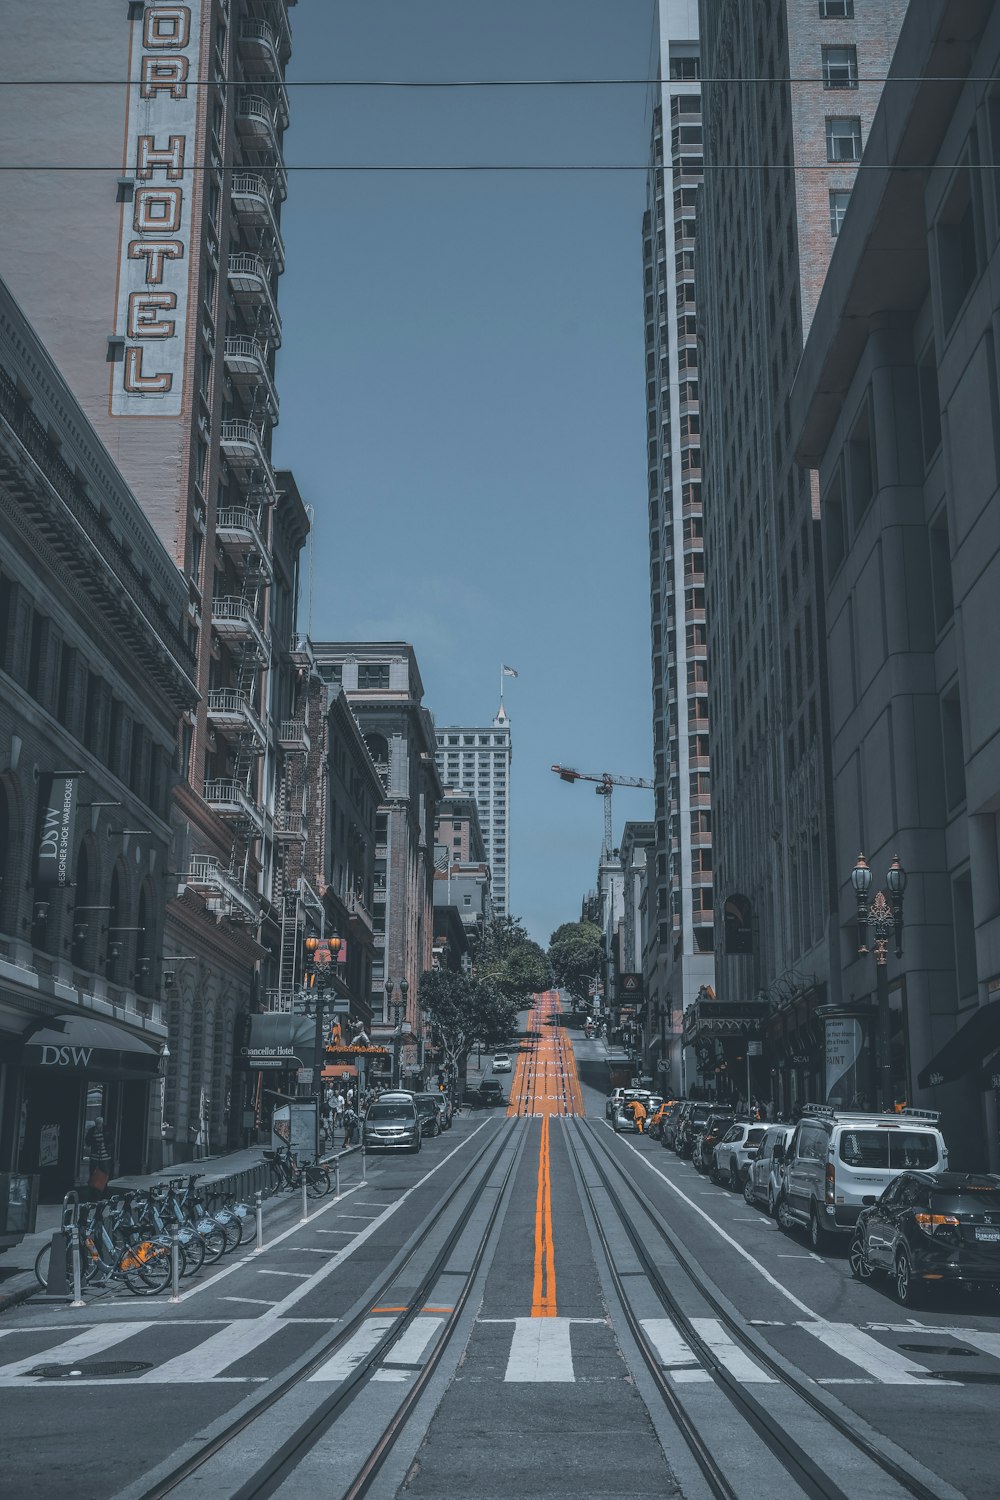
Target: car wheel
x,y
748,1192
861,1266
734,1176
907,1290
783,1214
817,1234
771,1205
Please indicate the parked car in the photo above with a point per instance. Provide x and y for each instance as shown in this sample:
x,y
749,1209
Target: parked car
x,y
704,1143
692,1122
836,1159
443,1104
612,1102
501,1062
623,1117
430,1115
766,1175
734,1154
391,1123
931,1228
491,1092
671,1122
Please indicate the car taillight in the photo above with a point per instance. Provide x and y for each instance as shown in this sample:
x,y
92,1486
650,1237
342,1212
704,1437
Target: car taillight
x,y
830,1182
936,1223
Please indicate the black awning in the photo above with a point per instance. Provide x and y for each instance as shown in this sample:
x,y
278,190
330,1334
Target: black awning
x,y
967,1049
78,1043
279,1039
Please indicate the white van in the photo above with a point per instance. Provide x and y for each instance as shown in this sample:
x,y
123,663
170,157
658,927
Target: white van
x,y
838,1161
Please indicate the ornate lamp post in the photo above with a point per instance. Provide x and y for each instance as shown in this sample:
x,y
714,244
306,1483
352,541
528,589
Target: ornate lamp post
x,y
882,915
398,1009
321,955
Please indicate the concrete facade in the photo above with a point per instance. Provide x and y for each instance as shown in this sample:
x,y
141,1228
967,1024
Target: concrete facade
x,y
895,410
476,759
764,242
679,959
95,676
161,309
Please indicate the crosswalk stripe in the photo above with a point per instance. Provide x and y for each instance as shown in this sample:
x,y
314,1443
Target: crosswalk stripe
x,y
72,1351
730,1354
675,1355
540,1351
979,1338
887,1365
350,1355
409,1347
208,1360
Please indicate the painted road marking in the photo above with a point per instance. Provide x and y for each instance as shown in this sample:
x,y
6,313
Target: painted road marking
x,y
349,1355
409,1347
255,1301
674,1354
729,1353
92,1341
887,1365
540,1351
543,1292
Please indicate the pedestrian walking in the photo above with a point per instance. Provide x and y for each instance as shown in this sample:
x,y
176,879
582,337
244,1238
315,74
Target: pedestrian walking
x,y
100,1157
350,1124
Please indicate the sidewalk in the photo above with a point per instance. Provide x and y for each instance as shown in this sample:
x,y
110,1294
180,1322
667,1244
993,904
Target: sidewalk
x,y
17,1266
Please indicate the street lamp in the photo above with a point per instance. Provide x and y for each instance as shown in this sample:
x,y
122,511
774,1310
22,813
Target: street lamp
x,y
881,915
398,1009
321,955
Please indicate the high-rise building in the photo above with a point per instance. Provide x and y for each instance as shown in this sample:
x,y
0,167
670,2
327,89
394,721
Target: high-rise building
x,y
476,759
781,153
147,254
678,958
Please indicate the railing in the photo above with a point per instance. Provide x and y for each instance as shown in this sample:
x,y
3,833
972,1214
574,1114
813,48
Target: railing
x,y
258,31
245,264
236,704
357,908
232,611
205,870
292,734
221,792
253,107
33,437
290,825
239,346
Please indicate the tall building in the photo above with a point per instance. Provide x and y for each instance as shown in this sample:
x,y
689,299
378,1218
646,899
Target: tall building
x,y
161,310
894,408
781,155
476,759
381,683
679,958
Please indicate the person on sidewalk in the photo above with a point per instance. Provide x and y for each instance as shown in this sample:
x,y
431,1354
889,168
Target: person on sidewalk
x,y
350,1125
100,1158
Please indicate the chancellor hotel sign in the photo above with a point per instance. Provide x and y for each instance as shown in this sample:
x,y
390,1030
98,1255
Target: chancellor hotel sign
x,y
154,256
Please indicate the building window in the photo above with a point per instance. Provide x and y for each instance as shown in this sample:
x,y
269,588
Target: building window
x,y
839,199
834,528
958,246
840,67
954,755
373,676
941,579
685,62
843,138
930,404
836,10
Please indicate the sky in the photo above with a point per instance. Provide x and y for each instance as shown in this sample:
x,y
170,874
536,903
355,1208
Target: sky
x,y
462,386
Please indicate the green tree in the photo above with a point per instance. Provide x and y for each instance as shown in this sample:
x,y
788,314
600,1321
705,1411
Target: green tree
x,y
575,957
462,1010
508,961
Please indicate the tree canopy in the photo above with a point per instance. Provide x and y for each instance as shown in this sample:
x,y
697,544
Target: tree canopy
x,y
463,1010
575,957
506,960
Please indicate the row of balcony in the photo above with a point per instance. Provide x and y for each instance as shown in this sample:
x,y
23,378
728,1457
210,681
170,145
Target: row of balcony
x,y
247,368
222,891
254,208
233,619
260,57
250,285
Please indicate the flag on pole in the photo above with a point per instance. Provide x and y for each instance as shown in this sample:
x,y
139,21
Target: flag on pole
x,y
509,672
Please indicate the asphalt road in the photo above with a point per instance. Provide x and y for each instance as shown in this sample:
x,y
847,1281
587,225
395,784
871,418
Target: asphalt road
x,y
527,1249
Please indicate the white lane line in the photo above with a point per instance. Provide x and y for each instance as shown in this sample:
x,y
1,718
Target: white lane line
x,y
674,1354
729,1353
314,1250
989,1343
296,1275
256,1301
336,1231
91,1341
887,1365
409,1348
735,1244
540,1351
350,1355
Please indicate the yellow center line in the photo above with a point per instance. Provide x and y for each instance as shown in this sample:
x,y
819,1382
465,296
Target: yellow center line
x,y
543,1297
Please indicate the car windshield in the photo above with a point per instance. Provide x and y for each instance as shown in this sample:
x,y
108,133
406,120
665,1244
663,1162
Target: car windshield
x,y
385,1111
892,1149
699,1114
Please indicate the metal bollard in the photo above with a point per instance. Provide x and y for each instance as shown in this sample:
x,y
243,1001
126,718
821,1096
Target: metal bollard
x,y
259,1211
305,1206
364,1180
175,1268
74,1255
336,1178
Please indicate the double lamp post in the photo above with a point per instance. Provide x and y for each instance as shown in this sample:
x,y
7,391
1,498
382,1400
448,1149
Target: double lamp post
x,y
879,917
398,1014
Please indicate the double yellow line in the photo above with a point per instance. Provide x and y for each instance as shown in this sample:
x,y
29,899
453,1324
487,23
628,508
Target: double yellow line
x,y
543,1294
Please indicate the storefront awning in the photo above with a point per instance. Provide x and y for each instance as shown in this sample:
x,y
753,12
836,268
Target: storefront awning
x,y
278,1039
82,1044
966,1049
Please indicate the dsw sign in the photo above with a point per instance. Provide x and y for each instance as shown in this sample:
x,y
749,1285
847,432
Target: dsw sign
x,y
64,1057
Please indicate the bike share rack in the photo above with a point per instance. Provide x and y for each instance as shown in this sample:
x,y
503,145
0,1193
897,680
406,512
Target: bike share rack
x,y
65,1239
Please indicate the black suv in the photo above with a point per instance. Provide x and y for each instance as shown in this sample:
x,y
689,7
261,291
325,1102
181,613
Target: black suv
x,y
928,1228
692,1123
491,1092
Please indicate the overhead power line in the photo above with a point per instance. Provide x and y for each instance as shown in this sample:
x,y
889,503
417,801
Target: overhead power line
x,y
490,83
758,166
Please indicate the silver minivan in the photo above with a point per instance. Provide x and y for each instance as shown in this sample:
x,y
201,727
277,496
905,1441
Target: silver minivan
x,y
838,1161
766,1174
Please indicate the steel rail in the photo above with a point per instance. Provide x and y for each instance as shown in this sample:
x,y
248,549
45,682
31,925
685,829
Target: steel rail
x,y
262,1483
796,1461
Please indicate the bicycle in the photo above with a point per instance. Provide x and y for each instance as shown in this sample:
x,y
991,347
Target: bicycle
x,y
287,1173
142,1263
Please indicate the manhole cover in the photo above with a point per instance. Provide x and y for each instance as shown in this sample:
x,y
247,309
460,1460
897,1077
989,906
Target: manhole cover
x,y
965,1377
955,1352
96,1370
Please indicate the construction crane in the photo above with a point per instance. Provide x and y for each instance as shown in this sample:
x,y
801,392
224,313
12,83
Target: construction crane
x,y
605,782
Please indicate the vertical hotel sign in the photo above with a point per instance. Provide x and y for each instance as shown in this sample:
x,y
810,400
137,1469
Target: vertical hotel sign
x,y
154,256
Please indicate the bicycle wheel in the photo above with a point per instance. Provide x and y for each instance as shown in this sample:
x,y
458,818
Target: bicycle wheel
x,y
318,1182
194,1251
235,1228
42,1260
145,1267
216,1243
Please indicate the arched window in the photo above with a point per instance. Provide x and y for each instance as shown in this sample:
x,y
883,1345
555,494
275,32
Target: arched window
x,y
116,938
83,915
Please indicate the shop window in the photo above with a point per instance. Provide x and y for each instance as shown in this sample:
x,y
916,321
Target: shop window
x,y
959,259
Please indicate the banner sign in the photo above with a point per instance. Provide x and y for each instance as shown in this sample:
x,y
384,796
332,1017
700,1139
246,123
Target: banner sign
x,y
54,864
844,1038
154,254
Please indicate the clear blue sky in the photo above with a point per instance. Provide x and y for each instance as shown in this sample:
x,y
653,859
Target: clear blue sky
x,y
462,386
